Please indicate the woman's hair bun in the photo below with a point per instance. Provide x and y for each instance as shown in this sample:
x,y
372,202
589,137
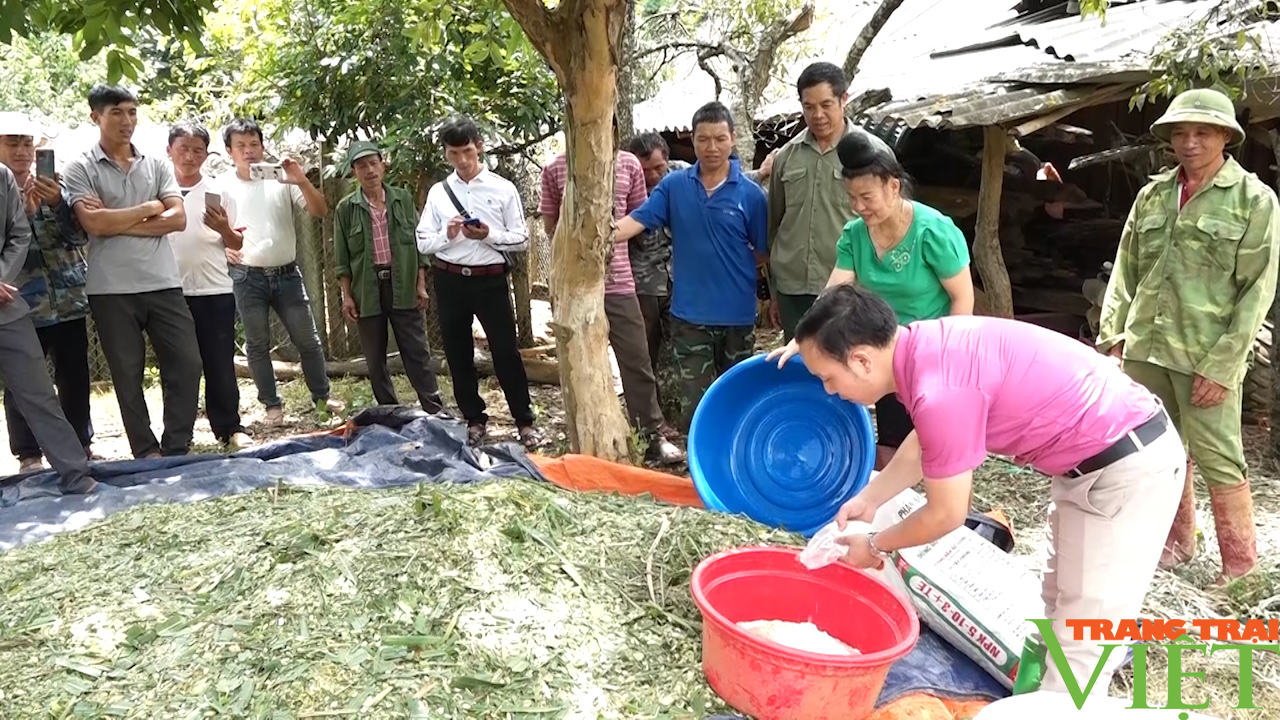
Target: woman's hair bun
x,y
856,150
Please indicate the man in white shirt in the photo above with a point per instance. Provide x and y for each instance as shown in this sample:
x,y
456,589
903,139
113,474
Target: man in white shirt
x,y
267,277
202,250
470,220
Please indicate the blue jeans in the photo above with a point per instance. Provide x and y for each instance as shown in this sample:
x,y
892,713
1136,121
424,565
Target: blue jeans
x,y
257,294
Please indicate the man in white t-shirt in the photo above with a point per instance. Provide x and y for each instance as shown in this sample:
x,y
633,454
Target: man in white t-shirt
x,y
267,277
202,251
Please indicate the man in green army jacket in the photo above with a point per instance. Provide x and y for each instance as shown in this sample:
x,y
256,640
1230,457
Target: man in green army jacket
x,y
808,203
1194,278
383,276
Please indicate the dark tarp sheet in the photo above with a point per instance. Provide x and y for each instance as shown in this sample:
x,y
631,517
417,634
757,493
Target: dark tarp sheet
x,y
384,447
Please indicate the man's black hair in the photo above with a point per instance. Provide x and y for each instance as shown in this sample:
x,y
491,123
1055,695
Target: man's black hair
x,y
103,96
860,155
643,145
714,113
241,126
459,131
847,316
823,72
189,129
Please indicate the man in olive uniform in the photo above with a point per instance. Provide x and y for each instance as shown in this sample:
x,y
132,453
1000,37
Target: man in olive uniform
x,y
1194,278
808,204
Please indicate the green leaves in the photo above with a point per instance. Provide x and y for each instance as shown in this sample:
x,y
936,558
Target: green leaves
x,y
1221,50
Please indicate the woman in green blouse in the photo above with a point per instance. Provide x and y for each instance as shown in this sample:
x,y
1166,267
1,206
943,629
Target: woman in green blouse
x,y
907,252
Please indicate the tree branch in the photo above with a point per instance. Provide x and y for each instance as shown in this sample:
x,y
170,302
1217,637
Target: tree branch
x,y
506,150
536,21
869,31
703,63
701,47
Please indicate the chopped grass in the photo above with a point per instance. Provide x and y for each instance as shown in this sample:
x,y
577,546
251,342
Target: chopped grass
x,y
500,600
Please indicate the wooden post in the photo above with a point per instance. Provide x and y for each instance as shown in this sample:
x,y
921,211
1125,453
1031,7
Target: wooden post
x,y
987,254
523,301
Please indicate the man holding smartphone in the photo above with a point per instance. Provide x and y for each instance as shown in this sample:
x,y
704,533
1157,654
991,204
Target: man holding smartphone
x,y
52,283
267,277
129,203
202,252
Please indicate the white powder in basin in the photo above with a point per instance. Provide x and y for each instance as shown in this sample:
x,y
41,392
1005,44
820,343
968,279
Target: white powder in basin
x,y
798,636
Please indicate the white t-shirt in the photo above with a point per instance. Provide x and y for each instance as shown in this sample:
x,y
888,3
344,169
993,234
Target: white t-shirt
x,y
265,210
202,260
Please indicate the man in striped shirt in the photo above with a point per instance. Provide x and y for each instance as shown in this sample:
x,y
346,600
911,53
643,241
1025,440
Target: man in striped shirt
x,y
626,322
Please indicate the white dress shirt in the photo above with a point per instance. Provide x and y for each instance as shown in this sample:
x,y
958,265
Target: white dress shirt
x,y
491,198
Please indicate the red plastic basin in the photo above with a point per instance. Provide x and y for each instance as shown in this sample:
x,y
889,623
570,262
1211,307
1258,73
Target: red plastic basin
x,y
773,682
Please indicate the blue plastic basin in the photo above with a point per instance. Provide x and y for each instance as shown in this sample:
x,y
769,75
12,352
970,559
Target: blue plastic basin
x,y
771,444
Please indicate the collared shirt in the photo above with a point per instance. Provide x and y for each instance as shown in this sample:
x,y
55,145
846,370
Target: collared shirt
x,y
715,241
199,250
808,209
125,264
628,195
974,385
650,253
354,255
266,214
16,241
53,276
1192,286
488,196
381,238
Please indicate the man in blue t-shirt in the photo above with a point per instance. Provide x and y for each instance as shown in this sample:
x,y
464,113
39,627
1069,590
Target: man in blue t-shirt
x,y
719,222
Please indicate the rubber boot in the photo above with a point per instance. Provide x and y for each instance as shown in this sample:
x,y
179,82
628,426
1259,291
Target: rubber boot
x,y
1237,535
1180,547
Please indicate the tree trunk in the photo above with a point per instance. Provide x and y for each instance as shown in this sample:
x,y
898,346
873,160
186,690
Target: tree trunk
x,y
868,33
626,77
987,254
744,116
580,40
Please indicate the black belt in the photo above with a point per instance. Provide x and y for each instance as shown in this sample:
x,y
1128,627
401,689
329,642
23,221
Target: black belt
x,y
1138,438
270,271
383,273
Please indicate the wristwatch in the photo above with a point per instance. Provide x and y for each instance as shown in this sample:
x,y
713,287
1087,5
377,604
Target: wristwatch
x,y
871,542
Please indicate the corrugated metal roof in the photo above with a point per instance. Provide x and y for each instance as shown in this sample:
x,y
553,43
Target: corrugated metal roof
x,y
980,104
1128,28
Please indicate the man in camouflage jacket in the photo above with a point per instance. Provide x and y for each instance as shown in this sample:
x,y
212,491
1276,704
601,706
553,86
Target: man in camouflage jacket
x,y
52,282
1194,278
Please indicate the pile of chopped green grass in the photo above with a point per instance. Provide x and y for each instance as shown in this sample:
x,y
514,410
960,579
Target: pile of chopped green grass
x,y
506,599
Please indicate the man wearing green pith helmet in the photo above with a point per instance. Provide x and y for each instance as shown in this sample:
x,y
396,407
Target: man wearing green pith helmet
x,y
1194,278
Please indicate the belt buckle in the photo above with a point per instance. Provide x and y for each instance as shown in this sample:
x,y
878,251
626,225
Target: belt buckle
x,y
466,271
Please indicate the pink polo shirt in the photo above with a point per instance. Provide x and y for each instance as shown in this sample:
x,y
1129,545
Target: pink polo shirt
x,y
978,385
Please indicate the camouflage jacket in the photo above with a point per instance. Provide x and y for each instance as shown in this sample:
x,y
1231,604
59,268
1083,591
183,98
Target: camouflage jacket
x,y
1192,286
651,255
52,280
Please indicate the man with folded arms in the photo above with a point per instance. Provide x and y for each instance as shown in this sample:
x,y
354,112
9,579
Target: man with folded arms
x,y
129,203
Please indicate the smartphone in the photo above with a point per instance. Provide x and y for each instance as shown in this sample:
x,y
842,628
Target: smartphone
x,y
266,171
213,200
472,222
44,163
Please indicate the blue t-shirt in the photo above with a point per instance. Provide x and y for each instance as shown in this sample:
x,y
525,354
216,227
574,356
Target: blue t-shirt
x,y
714,243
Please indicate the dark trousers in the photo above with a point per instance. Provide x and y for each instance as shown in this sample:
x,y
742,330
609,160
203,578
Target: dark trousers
x,y
67,344
411,339
486,298
656,310
163,316
790,309
627,336
215,321
22,368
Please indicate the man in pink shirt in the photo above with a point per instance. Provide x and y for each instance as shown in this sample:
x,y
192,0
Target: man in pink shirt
x,y
979,385
626,322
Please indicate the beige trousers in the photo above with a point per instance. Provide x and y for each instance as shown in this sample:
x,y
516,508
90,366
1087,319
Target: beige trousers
x,y
1106,531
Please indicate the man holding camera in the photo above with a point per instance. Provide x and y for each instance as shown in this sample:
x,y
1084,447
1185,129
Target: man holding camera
x,y
52,284
267,277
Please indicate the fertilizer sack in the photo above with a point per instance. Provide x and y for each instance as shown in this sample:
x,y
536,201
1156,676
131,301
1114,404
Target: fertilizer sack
x,y
977,597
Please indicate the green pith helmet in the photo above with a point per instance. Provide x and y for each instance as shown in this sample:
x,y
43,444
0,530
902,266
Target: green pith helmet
x,y
1205,106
